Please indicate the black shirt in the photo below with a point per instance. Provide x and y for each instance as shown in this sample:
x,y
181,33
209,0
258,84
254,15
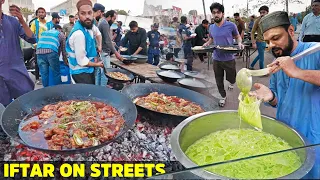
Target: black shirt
x,y
201,33
136,40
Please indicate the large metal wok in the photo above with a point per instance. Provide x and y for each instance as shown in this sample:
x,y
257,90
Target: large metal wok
x,y
35,100
200,125
137,90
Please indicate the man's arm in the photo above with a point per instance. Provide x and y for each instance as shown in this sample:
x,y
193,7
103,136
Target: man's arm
x,y
105,31
243,29
236,35
254,30
303,27
62,40
98,36
310,76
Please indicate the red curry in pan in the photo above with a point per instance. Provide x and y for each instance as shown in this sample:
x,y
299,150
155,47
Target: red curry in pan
x,y
71,124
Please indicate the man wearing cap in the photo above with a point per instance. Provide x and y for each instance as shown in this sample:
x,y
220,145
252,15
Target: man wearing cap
x,y
187,41
98,10
68,27
55,20
294,85
137,38
107,46
310,28
258,42
50,45
222,33
81,46
154,51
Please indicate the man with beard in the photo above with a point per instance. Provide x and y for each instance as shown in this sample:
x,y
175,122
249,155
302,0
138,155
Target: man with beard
x,y
76,18
98,10
137,38
14,78
310,28
68,27
294,86
81,46
222,33
38,26
107,46
55,21
153,50
259,42
187,42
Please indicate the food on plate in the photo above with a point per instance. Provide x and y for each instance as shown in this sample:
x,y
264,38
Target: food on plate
x,y
71,124
168,104
194,34
170,74
228,48
198,48
169,66
123,49
233,144
118,76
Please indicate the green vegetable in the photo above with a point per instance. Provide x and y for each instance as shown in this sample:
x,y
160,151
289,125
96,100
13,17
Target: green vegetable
x,y
62,126
240,143
249,110
77,140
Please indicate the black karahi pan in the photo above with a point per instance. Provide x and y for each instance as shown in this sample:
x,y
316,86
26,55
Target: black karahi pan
x,y
138,90
130,75
35,100
170,76
194,84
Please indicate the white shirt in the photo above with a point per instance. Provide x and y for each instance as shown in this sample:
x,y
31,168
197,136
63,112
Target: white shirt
x,y
77,42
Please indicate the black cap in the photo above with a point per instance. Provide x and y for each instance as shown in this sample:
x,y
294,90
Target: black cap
x,y
273,20
57,26
155,25
315,1
98,7
55,15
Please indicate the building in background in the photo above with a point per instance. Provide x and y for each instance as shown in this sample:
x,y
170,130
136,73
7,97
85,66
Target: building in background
x,y
67,7
5,7
22,4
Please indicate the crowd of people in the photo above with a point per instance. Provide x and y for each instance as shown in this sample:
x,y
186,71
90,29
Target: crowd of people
x,y
87,42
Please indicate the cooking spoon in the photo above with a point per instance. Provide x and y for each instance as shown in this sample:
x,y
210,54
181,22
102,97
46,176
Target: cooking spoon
x,y
244,76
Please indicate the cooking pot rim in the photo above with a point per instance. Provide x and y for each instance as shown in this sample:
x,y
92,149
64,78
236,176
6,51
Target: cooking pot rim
x,y
187,163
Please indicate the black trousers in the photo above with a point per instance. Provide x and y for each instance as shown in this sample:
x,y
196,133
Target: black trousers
x,y
84,78
311,38
219,68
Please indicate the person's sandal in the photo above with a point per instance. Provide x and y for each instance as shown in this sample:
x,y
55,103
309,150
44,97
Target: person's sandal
x,y
222,102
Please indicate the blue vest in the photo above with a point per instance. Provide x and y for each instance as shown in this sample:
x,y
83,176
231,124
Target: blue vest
x,y
75,68
36,22
49,40
49,25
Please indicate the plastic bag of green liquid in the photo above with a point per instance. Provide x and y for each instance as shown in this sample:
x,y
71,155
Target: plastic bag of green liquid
x,y
249,110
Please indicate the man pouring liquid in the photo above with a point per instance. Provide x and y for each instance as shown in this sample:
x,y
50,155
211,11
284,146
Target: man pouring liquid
x,y
295,85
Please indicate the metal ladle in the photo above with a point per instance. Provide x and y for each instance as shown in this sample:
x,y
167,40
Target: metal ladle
x,y
244,76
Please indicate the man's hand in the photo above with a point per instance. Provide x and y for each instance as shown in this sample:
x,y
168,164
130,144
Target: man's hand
x,y
99,49
96,59
205,44
15,11
66,61
100,64
241,46
118,56
254,45
287,65
262,92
